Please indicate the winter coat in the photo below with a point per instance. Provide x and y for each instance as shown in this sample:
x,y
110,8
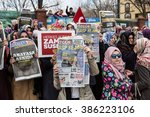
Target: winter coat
x,y
142,77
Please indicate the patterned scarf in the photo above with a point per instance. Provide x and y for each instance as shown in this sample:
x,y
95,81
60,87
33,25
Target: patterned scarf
x,y
117,68
108,36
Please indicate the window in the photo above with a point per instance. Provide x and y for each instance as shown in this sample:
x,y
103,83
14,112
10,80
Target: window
x,y
127,16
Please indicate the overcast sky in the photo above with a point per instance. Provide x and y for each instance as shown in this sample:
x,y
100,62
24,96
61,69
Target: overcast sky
x,y
72,3
63,3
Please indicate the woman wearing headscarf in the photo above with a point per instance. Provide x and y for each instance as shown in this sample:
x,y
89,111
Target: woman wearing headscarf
x,y
146,33
142,48
77,93
117,85
24,89
105,40
126,45
109,38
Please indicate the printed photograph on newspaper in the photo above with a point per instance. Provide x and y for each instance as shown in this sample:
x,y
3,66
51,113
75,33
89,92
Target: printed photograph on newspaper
x,y
71,61
27,65
89,31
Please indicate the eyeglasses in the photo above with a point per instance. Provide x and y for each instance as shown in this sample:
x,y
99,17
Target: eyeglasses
x,y
114,56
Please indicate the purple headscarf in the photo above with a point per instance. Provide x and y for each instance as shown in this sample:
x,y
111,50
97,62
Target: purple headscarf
x,y
146,33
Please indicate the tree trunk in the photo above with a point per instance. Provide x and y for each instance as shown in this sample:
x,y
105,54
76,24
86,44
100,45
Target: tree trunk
x,y
40,4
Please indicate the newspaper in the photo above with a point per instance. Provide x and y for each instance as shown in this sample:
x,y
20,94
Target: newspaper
x,y
2,48
26,65
2,51
89,32
2,33
86,74
71,61
24,21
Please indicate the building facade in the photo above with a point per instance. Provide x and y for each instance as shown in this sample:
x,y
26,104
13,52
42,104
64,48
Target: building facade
x,y
128,10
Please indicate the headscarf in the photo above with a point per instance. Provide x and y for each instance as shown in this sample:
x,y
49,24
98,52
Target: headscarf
x,y
23,31
108,36
124,40
143,52
117,68
146,33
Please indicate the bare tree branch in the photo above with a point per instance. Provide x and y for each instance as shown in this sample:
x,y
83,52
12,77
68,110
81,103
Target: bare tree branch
x,y
51,5
15,4
98,5
24,3
18,5
4,5
33,5
140,5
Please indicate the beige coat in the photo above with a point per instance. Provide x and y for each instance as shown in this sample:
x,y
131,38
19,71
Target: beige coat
x,y
23,90
85,92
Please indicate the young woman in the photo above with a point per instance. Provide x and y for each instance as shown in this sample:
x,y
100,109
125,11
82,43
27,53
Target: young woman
x,y
105,40
142,48
25,89
126,45
109,39
117,85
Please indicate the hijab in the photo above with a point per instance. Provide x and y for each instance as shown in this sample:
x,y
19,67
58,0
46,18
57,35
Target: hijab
x,y
143,52
146,33
124,38
117,68
108,36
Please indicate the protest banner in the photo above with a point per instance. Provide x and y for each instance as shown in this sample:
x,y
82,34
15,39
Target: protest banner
x,y
89,32
107,19
27,65
24,21
71,60
48,40
52,20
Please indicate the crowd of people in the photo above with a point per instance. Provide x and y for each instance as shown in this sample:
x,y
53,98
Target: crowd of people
x,y
123,70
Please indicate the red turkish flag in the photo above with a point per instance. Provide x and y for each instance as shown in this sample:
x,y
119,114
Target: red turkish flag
x,y
79,17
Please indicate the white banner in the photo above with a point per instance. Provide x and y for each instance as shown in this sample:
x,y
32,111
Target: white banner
x,y
86,108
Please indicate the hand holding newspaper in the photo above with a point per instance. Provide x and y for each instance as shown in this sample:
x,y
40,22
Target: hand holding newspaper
x,y
88,52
